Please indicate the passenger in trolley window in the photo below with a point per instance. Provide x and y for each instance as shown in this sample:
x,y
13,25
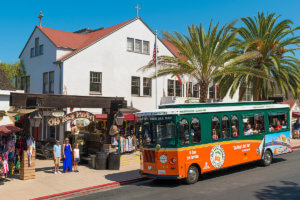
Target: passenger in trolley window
x,y
278,126
249,130
234,132
214,135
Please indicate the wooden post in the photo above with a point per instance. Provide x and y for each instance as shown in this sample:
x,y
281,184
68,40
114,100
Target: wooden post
x,y
27,171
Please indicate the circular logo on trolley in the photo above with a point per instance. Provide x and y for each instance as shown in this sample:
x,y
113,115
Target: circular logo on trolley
x,y
217,156
163,159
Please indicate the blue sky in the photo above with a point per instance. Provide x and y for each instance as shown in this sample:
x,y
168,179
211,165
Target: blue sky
x,y
18,18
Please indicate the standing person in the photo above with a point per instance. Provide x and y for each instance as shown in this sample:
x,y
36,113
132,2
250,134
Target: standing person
x,y
278,126
76,157
67,152
56,156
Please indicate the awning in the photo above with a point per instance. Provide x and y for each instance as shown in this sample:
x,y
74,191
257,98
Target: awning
x,y
130,117
296,114
127,117
100,117
18,112
5,130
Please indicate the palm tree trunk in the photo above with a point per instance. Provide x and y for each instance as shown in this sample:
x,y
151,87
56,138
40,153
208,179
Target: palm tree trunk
x,y
203,91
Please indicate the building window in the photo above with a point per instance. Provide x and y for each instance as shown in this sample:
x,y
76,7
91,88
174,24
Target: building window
x,y
196,90
247,95
96,82
170,88
36,47
32,52
51,82
135,85
138,46
130,44
27,84
189,89
146,47
46,83
212,92
147,83
41,50
178,89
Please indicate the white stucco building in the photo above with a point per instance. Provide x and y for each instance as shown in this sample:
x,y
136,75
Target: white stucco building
x,y
100,62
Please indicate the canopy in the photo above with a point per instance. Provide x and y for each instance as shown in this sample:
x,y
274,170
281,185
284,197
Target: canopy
x,y
5,130
127,117
18,112
296,114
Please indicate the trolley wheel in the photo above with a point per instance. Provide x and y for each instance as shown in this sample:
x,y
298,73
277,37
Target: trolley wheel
x,y
268,158
192,175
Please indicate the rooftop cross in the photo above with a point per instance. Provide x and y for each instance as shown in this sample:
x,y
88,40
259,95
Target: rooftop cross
x,y
40,17
137,10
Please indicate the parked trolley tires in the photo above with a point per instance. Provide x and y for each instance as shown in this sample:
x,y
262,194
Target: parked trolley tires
x,y
268,158
192,175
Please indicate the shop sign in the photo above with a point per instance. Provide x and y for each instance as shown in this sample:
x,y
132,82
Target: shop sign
x,y
192,101
71,116
81,122
58,113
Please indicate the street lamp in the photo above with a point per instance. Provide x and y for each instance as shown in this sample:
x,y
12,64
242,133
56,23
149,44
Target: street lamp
x,y
119,118
35,119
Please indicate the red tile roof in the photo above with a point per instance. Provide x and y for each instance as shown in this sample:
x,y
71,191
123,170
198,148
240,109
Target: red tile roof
x,y
78,41
173,49
290,103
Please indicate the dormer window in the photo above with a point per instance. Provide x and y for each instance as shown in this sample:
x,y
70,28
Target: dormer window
x,y
38,49
32,52
41,50
37,44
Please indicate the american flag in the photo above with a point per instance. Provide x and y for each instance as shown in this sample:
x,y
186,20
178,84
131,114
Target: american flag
x,y
155,52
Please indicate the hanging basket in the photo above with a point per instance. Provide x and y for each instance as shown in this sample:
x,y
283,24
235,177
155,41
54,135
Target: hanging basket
x,y
113,130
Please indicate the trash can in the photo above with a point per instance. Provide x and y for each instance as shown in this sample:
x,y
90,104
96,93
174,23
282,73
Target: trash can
x,y
114,161
92,161
101,158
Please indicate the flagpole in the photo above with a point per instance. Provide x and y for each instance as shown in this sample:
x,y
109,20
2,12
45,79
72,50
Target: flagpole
x,y
156,69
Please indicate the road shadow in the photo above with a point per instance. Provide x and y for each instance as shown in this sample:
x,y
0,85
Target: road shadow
x,y
121,176
236,169
289,190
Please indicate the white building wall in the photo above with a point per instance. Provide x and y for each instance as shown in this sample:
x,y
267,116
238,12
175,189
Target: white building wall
x,y
4,105
36,66
110,56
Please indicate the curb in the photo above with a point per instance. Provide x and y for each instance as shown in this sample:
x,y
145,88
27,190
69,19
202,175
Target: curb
x,y
90,189
296,147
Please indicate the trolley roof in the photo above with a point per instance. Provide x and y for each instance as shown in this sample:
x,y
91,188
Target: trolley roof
x,y
208,109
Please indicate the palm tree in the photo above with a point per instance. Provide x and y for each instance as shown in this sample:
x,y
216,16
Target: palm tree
x,y
200,54
275,70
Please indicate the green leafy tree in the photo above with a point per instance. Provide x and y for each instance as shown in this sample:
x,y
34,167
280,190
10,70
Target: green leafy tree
x,y
13,70
201,54
276,70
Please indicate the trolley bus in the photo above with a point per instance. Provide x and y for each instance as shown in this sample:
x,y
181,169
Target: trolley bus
x,y
183,141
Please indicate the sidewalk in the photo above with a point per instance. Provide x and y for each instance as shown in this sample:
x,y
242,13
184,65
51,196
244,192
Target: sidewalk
x,y
47,182
295,143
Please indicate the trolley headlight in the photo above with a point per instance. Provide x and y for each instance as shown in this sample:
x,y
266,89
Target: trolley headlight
x,y
173,160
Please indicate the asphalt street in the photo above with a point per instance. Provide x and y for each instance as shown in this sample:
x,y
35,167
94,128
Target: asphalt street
x,y
281,180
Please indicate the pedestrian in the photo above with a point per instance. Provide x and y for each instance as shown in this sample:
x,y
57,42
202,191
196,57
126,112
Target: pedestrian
x,y
76,157
67,152
56,156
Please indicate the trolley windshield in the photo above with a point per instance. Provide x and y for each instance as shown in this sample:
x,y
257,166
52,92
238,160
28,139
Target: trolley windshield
x,y
158,130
